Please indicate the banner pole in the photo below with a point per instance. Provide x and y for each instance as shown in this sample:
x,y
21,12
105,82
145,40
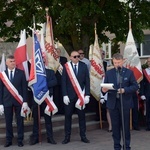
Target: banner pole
x,y
39,116
39,124
100,115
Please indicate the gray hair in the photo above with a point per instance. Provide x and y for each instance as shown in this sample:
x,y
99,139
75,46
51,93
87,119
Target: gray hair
x,y
117,56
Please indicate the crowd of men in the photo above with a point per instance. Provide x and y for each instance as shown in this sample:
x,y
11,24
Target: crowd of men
x,y
71,93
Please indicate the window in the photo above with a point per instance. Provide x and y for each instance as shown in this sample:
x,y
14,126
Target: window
x,y
144,48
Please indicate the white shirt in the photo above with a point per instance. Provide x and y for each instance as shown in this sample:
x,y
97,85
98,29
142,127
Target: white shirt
x,y
13,72
76,66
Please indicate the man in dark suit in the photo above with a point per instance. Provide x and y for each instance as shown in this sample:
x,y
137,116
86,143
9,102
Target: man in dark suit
x,y
51,82
10,103
118,75
75,78
57,95
145,92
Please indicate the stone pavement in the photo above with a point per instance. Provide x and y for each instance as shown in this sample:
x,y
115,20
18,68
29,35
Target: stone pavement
x,y
99,140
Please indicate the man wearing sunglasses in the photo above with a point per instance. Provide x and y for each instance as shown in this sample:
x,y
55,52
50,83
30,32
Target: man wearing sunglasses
x,y
76,93
83,59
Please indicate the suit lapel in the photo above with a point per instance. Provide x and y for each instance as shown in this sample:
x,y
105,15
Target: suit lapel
x,y
15,73
123,73
115,76
6,71
78,74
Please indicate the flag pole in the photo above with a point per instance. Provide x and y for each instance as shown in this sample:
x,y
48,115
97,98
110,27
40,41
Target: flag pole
x,y
130,109
39,117
46,9
99,104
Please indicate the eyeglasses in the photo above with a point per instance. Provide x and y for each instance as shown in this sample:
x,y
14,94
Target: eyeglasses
x,y
81,53
78,56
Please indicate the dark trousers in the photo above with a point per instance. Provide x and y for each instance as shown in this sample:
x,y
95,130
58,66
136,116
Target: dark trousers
x,y
48,122
9,118
116,120
135,118
148,112
58,99
69,110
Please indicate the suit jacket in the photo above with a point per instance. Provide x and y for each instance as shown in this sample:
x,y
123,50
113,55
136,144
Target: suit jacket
x,y
105,65
145,87
82,77
128,83
20,83
62,61
51,80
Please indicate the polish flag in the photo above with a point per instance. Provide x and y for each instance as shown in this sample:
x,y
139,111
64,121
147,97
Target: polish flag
x,y
20,55
3,64
131,56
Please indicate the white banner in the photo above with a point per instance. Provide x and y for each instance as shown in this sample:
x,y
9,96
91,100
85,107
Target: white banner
x,y
97,70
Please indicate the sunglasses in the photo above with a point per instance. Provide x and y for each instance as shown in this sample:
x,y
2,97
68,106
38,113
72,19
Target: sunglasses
x,y
78,56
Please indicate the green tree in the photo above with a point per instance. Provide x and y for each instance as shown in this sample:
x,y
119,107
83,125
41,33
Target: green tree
x,y
73,20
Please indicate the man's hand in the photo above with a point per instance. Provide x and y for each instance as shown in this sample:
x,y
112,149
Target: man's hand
x,y
1,109
105,90
66,100
102,101
87,99
143,97
121,90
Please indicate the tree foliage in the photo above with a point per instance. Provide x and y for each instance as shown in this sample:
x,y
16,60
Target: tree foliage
x,y
73,20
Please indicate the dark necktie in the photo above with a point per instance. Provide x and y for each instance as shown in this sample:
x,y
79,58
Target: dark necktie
x,y
11,76
118,77
75,69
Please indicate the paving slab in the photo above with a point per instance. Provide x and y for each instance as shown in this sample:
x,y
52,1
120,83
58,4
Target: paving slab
x,y
100,139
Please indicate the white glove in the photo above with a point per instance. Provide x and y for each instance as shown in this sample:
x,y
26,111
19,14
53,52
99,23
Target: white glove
x,y
25,105
66,100
87,99
25,110
1,109
102,101
143,97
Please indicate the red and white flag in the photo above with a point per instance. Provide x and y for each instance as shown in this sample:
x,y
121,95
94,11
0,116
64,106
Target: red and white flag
x,y
97,69
3,64
51,52
131,56
20,55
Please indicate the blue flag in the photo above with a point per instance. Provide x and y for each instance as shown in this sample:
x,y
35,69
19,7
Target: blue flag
x,y
37,80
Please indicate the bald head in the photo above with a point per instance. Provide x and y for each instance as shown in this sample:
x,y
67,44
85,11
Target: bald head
x,y
74,57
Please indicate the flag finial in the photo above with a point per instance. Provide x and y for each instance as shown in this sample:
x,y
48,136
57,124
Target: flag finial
x,y
34,23
46,9
95,29
129,20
